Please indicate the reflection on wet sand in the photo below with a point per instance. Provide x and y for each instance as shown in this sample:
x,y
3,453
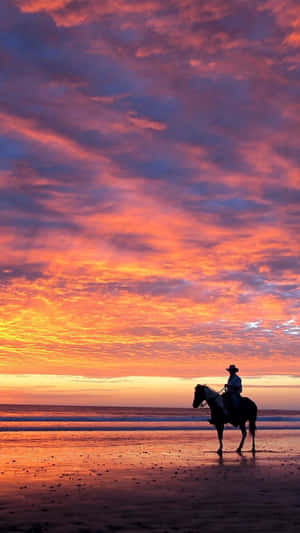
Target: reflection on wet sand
x,y
86,482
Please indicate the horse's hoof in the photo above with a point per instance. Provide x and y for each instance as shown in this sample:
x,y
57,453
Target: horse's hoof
x,y
220,452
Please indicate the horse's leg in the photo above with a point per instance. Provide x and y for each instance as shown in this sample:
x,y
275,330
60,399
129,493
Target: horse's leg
x,y
252,427
244,434
220,428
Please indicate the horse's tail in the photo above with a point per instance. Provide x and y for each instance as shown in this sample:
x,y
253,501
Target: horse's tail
x,y
252,420
252,426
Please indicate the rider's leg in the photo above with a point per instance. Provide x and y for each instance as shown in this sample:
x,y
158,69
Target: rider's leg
x,y
235,399
235,402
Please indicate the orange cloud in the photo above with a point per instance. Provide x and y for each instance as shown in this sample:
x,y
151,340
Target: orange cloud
x,y
149,189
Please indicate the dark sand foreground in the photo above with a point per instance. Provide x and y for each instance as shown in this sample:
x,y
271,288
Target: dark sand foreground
x,y
152,481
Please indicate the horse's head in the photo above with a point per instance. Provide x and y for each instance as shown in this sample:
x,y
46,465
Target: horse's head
x,y
199,395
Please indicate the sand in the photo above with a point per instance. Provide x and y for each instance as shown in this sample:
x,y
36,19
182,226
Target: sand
x,y
148,481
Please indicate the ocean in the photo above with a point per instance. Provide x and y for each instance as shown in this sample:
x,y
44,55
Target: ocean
x,y
22,418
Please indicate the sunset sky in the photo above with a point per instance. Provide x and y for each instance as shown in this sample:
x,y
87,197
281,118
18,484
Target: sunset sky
x,y
149,199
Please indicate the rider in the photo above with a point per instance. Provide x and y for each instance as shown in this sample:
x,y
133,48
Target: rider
x,y
233,387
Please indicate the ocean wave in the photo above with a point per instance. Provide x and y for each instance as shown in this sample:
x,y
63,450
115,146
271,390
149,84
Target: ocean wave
x,y
112,419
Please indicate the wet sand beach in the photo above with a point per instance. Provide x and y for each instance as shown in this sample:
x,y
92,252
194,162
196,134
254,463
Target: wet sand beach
x,y
153,481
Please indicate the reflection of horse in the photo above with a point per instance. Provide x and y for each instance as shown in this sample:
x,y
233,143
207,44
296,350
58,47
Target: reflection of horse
x,y
247,411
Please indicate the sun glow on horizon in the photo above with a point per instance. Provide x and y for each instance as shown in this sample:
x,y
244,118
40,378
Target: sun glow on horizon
x,y
144,391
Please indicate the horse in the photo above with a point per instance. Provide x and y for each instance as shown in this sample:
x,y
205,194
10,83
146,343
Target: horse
x,y
247,412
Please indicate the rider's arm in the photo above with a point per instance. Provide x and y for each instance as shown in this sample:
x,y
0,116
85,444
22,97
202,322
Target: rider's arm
x,y
236,384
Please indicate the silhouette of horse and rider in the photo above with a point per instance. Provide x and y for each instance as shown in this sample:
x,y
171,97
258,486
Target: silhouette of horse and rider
x,y
230,407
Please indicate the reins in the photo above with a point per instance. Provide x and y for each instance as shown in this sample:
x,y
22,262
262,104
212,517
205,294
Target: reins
x,y
202,404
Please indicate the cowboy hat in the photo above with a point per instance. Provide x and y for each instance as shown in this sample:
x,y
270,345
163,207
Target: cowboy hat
x,y
232,367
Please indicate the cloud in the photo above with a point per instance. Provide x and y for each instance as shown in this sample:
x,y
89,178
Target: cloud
x,y
29,272
149,185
